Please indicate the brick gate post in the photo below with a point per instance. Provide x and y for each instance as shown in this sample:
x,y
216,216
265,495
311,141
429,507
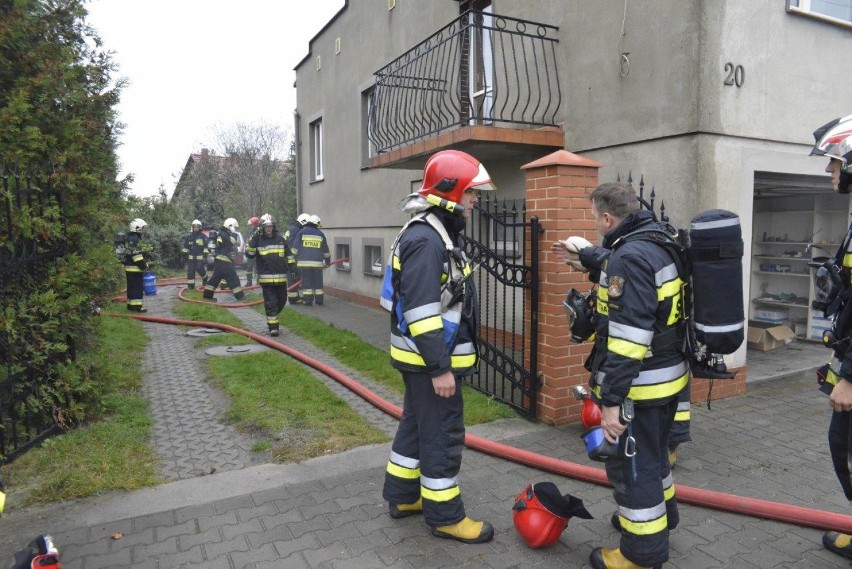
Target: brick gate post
x,y
557,190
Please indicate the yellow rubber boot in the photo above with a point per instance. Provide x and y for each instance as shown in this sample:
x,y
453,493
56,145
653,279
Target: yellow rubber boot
x,y
839,543
611,559
466,531
398,511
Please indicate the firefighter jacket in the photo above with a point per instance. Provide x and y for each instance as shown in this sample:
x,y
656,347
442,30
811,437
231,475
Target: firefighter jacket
x,y
639,323
840,364
272,255
195,246
227,245
136,253
431,298
310,248
290,234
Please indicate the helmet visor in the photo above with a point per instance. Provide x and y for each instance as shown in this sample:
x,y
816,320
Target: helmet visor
x,y
482,180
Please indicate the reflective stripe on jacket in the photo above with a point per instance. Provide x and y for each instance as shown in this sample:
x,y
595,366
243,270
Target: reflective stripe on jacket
x,y
310,248
273,257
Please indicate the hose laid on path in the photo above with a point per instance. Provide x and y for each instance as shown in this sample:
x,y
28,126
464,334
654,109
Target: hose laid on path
x,y
796,515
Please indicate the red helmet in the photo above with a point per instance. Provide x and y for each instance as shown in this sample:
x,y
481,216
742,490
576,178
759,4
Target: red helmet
x,y
254,221
541,513
449,173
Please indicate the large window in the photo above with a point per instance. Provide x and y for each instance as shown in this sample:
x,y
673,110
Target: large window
x,y
839,11
316,150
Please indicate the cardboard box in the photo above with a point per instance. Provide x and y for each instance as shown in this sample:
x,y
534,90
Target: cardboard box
x,y
766,336
768,315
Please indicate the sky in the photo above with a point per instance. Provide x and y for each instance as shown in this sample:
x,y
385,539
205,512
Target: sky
x,y
197,66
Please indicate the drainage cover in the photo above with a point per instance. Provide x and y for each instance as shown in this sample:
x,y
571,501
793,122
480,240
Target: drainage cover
x,y
235,350
200,332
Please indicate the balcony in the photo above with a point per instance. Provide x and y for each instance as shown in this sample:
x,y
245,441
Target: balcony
x,y
483,83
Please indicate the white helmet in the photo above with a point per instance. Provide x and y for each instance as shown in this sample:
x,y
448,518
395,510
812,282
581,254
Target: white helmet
x,y
267,219
315,219
231,224
196,222
303,218
834,139
138,225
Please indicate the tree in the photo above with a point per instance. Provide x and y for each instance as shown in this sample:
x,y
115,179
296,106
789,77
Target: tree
x,y
254,174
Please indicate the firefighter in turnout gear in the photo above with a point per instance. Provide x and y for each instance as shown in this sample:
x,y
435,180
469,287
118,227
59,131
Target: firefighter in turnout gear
x,y
272,258
294,294
227,244
310,248
195,249
434,312
834,141
135,261
638,362
254,229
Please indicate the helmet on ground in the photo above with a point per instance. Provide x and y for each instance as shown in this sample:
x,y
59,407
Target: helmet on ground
x,y
196,222
254,221
267,219
541,513
231,224
138,225
315,219
449,173
834,139
303,218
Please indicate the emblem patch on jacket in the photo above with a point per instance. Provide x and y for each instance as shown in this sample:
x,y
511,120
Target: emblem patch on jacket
x,y
616,287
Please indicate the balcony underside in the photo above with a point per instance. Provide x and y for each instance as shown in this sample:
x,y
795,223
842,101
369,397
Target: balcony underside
x,y
486,143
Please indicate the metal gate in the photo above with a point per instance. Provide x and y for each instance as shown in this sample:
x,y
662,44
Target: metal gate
x,y
504,246
26,256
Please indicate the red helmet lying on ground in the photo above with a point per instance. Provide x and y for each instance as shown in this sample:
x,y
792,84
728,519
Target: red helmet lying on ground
x,y
541,513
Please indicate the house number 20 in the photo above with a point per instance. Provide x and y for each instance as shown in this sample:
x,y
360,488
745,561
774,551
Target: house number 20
x,y
736,74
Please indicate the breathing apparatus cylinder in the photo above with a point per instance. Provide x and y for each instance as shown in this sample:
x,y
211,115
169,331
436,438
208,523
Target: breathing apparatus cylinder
x,y
715,253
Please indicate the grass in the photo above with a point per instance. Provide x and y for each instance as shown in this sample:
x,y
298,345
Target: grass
x,y
112,451
347,348
297,417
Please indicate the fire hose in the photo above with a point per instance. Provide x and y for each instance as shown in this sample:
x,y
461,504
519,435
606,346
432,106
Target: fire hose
x,y
796,515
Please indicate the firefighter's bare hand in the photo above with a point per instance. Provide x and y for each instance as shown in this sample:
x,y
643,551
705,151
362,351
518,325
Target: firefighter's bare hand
x,y
841,396
612,426
444,384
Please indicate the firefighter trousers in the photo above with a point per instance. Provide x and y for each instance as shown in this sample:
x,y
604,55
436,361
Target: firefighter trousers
x,y
643,486
839,443
193,267
426,452
224,271
134,290
680,427
311,289
274,299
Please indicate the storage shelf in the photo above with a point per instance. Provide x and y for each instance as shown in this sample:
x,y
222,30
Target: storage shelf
x,y
779,303
820,245
759,256
786,274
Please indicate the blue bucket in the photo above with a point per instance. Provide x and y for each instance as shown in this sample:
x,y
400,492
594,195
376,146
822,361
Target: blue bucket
x,y
149,284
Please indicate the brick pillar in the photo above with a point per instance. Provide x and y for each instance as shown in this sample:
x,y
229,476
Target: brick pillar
x,y
557,190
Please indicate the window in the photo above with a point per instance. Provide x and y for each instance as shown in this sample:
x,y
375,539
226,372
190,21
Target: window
x,y
837,11
341,251
316,150
374,261
368,150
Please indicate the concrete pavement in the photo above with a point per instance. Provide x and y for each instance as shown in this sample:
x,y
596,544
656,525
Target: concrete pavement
x,y
226,508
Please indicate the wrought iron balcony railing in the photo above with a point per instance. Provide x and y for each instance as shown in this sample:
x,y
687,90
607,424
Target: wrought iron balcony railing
x,y
480,69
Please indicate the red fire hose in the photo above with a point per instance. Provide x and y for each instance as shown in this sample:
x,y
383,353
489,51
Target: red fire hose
x,y
797,515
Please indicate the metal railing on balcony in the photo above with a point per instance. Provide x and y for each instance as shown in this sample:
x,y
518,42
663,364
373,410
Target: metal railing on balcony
x,y
480,69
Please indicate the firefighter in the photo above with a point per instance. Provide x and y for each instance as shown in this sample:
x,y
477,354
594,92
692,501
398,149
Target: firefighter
x,y
195,249
834,140
434,310
310,248
294,294
272,258
637,361
227,246
135,261
254,224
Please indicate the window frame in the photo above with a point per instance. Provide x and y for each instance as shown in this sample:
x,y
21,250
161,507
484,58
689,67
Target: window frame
x,y
339,242
803,8
315,137
366,246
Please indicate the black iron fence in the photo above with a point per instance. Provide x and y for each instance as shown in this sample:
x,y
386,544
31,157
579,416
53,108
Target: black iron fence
x,y
480,69
504,246
32,236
